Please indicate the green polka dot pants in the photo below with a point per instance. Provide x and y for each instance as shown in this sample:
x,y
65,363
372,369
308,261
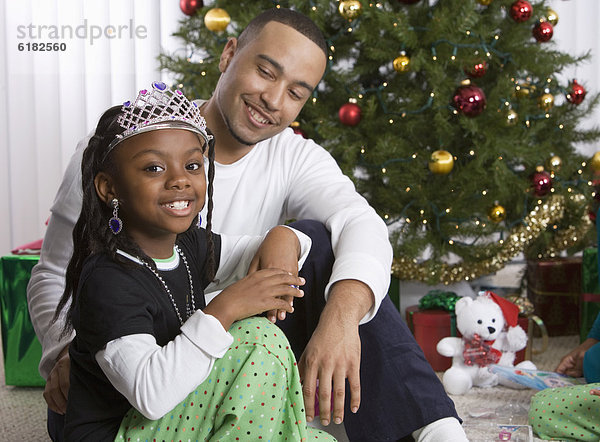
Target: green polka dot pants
x,y
567,413
253,393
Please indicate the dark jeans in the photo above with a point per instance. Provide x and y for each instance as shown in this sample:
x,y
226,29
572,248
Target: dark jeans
x,y
400,392
56,426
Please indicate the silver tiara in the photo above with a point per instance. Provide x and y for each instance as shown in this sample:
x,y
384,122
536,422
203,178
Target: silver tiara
x,y
159,108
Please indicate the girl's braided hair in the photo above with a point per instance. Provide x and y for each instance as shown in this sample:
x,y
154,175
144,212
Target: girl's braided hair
x,y
91,234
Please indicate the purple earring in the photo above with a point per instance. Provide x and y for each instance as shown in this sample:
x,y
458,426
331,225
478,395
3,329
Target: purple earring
x,y
199,223
115,224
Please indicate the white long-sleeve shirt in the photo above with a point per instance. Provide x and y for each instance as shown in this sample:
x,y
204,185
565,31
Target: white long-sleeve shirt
x,y
155,378
284,177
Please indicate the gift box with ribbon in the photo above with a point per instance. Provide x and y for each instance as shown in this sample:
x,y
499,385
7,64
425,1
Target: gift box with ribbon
x,y
554,287
22,350
432,320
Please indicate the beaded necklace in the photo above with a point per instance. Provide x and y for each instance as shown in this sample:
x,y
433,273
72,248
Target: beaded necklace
x,y
189,309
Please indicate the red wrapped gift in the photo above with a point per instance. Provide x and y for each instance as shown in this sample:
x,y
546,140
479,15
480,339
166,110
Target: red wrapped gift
x,y
430,326
554,288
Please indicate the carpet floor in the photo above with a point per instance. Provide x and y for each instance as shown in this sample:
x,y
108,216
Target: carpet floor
x,y
23,410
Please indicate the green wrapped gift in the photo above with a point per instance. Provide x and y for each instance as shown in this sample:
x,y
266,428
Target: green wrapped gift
x,y
22,350
590,286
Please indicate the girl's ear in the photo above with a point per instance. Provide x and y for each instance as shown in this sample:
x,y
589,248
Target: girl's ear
x,y
105,187
227,54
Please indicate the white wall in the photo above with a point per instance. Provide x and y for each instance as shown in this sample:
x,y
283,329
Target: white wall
x,y
48,101
577,32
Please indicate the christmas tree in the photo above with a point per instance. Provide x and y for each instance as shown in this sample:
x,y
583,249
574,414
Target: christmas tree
x,y
449,116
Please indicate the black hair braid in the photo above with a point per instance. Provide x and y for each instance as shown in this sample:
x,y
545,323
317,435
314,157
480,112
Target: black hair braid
x,y
211,264
91,233
83,243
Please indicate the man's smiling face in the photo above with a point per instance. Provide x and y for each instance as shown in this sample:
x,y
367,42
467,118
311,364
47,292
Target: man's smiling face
x,y
266,82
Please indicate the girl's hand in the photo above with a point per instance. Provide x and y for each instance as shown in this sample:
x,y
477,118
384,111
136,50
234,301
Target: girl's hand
x,y
280,250
261,291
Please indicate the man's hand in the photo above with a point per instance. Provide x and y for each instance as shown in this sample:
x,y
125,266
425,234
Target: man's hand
x,y
572,363
57,384
279,250
333,352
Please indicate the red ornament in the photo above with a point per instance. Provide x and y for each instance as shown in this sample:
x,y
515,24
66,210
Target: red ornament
x,y
469,99
189,7
350,114
542,183
477,70
542,31
576,94
521,11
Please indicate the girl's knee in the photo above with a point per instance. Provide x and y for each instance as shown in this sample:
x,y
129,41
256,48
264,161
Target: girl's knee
x,y
260,332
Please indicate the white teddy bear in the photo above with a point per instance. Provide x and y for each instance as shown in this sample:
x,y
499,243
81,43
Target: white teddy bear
x,y
491,335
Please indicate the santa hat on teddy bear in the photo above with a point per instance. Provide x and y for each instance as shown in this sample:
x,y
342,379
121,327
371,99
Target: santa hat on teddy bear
x,y
510,311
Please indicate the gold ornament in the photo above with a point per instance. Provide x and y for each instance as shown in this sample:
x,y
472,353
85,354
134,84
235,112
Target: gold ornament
x,y
402,63
216,20
554,163
595,162
485,2
551,17
546,102
497,213
511,117
524,90
441,162
350,9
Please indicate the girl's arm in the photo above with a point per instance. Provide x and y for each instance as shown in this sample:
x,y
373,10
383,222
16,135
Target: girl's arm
x,y
238,253
155,379
265,290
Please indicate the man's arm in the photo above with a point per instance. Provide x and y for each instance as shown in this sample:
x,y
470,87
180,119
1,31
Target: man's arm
x,y
359,237
359,279
47,284
333,352
47,281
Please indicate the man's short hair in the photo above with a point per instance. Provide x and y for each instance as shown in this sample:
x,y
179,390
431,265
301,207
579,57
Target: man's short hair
x,y
289,17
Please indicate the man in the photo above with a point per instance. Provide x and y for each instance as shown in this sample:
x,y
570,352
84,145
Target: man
x,y
264,175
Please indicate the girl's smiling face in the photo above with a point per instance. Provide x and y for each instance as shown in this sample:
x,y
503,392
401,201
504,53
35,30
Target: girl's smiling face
x,y
160,184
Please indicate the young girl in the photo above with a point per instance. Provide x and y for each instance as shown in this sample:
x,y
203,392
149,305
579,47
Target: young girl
x,y
150,359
